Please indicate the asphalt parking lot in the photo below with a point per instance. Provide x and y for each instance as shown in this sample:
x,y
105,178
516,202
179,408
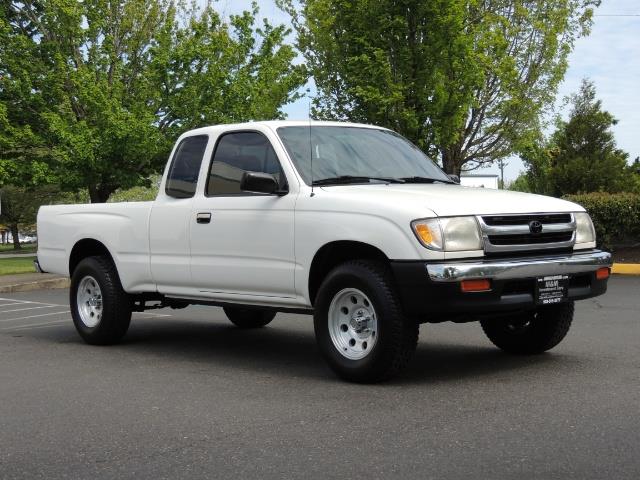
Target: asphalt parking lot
x,y
187,395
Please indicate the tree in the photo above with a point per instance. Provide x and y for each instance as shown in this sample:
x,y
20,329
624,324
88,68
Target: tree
x,y
20,206
466,80
211,72
520,184
581,155
633,171
585,157
537,158
108,85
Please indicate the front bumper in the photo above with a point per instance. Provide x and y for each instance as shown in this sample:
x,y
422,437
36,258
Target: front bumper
x,y
432,291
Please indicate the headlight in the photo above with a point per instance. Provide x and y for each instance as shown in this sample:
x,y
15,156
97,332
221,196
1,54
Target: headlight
x,y
585,232
452,234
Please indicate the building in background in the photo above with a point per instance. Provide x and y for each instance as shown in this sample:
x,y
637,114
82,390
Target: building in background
x,y
480,181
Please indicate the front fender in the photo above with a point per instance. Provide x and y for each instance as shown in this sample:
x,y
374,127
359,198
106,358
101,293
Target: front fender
x,y
315,229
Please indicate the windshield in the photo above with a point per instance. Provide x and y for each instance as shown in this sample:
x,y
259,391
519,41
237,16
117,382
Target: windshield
x,y
356,154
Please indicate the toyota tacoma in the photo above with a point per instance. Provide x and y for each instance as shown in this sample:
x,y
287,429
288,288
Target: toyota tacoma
x,y
350,223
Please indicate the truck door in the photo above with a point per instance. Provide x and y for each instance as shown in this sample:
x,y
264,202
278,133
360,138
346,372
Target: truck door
x,y
169,222
241,242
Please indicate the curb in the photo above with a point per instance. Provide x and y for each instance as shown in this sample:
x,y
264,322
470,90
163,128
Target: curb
x,y
48,284
626,268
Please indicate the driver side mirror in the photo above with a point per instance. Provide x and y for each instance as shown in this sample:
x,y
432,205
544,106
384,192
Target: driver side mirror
x,y
260,182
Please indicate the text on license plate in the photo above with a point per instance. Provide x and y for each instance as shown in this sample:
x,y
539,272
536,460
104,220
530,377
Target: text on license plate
x,y
552,289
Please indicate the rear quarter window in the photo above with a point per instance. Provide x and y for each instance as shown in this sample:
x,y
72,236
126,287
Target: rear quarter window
x,y
185,167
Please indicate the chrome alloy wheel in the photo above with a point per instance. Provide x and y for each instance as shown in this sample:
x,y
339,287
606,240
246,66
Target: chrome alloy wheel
x,y
89,301
353,325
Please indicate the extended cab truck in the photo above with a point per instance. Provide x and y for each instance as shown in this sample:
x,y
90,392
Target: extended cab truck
x,y
351,223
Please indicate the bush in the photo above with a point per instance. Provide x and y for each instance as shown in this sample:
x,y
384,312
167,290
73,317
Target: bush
x,y
616,216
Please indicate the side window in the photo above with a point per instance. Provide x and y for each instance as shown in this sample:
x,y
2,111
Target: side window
x,y
237,153
185,167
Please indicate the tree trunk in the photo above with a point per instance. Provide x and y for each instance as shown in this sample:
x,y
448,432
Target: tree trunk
x,y
99,193
451,160
14,233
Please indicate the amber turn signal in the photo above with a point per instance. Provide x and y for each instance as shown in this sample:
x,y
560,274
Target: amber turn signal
x,y
475,285
603,273
424,232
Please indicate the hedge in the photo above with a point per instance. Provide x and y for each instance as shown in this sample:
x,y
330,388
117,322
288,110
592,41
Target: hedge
x,y
616,216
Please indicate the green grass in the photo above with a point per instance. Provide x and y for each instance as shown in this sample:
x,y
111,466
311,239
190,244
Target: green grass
x,y
10,266
8,248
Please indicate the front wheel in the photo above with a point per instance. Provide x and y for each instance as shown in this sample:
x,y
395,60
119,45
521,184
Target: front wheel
x,y
359,326
100,308
532,332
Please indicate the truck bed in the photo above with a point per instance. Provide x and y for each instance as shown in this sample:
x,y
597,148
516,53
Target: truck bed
x,y
123,228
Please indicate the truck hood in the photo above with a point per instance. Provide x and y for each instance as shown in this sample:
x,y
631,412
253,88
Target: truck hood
x,y
450,200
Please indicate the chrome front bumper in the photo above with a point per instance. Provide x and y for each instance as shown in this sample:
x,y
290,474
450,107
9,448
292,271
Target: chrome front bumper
x,y
519,268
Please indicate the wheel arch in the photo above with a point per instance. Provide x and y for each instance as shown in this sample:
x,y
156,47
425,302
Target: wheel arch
x,y
87,247
334,253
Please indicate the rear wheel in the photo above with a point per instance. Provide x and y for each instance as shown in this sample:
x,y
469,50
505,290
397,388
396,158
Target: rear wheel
x,y
249,317
100,308
359,326
532,332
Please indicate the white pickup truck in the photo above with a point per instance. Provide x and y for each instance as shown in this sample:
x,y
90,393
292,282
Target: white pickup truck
x,y
350,223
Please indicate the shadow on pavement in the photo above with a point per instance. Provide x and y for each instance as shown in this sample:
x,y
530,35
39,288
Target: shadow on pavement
x,y
281,351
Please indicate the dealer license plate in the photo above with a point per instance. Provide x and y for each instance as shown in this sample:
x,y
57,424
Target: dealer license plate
x,y
552,289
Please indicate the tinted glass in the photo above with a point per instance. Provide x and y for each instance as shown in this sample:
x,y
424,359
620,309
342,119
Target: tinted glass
x,y
367,152
183,174
237,153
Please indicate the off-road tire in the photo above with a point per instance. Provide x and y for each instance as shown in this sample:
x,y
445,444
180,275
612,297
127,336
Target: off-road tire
x,y
397,335
249,317
116,303
533,332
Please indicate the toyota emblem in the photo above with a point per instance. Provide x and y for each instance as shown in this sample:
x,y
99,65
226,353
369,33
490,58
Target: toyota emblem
x,y
535,226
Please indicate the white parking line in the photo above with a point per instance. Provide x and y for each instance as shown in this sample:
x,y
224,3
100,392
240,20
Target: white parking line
x,y
29,308
10,304
151,315
20,302
4,320
37,325
13,300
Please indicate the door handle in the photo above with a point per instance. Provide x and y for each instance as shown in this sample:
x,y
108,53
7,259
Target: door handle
x,y
203,217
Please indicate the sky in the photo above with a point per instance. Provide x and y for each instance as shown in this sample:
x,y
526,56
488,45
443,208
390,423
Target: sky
x,y
609,56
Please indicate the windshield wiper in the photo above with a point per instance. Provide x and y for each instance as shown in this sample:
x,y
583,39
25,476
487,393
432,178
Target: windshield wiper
x,y
346,179
424,180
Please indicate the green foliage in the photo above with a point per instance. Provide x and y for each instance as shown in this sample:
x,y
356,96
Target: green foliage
x,y
466,80
100,90
20,206
520,184
7,249
585,157
537,159
616,217
581,155
213,72
137,194
21,153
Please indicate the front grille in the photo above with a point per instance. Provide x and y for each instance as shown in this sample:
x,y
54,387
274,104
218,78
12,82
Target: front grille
x,y
550,218
530,239
528,232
